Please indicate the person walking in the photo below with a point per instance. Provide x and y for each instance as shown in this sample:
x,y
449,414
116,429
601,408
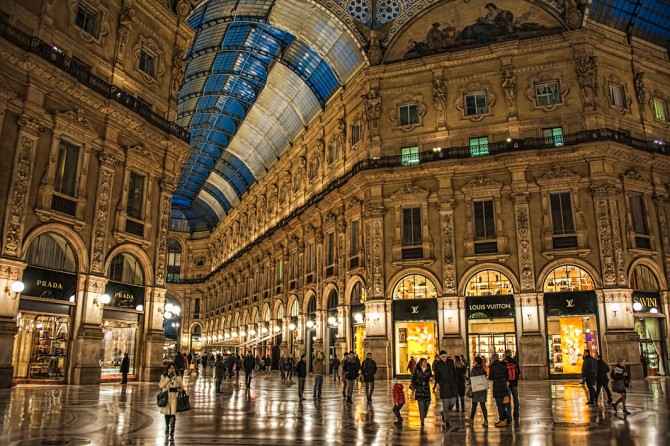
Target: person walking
x,y
398,400
513,372
343,365
369,370
318,368
479,395
125,368
461,370
179,364
249,365
590,376
445,376
335,368
620,381
301,371
219,372
351,370
603,380
282,372
411,365
501,392
203,361
421,386
172,383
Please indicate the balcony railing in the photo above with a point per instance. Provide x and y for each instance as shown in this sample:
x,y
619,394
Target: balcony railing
x,y
82,73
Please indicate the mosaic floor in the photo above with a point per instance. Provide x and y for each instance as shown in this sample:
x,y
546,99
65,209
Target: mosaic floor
x,y
270,414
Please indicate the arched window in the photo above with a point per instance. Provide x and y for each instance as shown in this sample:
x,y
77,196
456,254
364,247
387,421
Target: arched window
x,y
173,261
51,251
568,278
489,283
415,286
358,294
643,279
311,305
295,309
332,300
125,268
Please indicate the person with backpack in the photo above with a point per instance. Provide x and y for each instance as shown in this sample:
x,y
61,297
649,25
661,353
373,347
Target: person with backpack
x,y
620,381
501,391
513,373
351,370
398,400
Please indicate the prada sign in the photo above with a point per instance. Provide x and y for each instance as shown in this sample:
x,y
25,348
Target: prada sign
x,y
415,310
124,295
646,301
48,284
489,307
571,303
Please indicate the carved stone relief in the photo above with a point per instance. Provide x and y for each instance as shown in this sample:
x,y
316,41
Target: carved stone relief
x,y
586,66
508,85
102,211
441,99
163,227
605,236
372,109
524,242
448,254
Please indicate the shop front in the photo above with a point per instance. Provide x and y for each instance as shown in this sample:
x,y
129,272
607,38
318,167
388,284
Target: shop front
x,y
650,327
415,332
119,337
310,331
357,323
332,324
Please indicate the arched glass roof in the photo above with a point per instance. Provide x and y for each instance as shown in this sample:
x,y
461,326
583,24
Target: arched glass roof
x,y
257,73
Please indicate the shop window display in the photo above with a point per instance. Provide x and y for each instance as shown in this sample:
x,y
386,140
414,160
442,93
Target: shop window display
x,y
119,338
568,338
414,340
489,283
415,286
568,278
48,356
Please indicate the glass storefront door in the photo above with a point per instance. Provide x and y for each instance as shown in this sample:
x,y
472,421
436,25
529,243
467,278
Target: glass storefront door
x,y
49,346
359,338
650,330
414,339
567,339
119,338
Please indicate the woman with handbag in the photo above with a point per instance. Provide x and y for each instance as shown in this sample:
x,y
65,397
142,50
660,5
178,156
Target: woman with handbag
x,y
478,390
421,387
620,381
170,383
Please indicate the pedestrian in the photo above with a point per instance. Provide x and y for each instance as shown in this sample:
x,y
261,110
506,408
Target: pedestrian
x,y
513,372
249,365
461,371
203,361
369,370
318,369
421,387
179,364
398,400
501,392
290,365
238,366
445,376
172,383
282,372
301,372
125,368
590,375
335,368
411,365
603,380
219,372
268,364
479,395
620,381
345,360
351,370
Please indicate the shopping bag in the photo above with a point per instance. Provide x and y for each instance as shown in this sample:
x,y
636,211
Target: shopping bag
x,y
162,398
479,383
183,403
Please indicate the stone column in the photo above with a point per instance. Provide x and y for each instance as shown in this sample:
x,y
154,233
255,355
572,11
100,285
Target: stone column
x,y
343,329
376,338
620,341
448,311
154,336
87,348
532,346
10,271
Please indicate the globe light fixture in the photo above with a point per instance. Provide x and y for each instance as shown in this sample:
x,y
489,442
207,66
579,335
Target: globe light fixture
x,y
358,317
637,306
105,299
292,326
139,307
310,323
18,286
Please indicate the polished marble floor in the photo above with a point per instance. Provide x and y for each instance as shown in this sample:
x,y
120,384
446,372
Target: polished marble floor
x,y
552,413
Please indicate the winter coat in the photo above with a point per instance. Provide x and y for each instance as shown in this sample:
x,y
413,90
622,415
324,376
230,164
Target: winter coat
x,y
318,366
369,369
125,365
170,383
398,394
351,368
179,362
249,364
512,361
445,376
620,378
590,369
499,378
480,396
301,369
219,369
460,372
603,370
421,384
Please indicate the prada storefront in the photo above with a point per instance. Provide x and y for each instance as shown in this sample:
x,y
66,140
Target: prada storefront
x,y
46,306
123,316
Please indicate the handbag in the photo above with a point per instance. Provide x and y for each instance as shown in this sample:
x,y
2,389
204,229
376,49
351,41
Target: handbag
x,y
162,398
183,403
479,383
468,389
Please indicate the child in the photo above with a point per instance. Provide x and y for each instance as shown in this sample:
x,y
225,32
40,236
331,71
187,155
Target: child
x,y
398,400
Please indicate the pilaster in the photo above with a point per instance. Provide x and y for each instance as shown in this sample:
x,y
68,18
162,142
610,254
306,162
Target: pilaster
x,y
620,341
10,271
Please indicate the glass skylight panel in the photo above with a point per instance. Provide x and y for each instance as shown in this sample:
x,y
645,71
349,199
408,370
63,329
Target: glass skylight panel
x,y
231,107
209,37
253,8
235,35
199,64
345,57
226,124
219,138
219,8
218,194
278,136
290,120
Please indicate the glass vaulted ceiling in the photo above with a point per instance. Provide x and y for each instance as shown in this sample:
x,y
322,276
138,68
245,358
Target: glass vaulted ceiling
x,y
257,73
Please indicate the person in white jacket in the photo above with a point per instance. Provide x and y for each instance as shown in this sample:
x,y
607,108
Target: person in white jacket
x,y
172,383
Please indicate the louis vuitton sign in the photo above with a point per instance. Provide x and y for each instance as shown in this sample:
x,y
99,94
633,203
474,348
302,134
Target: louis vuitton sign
x,y
415,310
489,307
572,303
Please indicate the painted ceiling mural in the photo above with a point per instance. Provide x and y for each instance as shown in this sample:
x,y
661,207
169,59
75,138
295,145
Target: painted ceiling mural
x,y
259,70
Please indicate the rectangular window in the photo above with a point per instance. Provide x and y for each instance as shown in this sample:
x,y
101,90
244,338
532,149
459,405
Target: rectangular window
x,y
355,234
660,110
617,95
479,145
485,226
66,169
547,94
563,224
87,19
147,63
355,134
409,156
553,136
330,249
409,114
135,196
476,103
640,227
279,271
196,309
411,226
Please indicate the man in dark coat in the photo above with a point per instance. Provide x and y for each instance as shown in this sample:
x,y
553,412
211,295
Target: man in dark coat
x,y
445,376
249,364
603,379
125,368
219,372
351,369
513,382
369,369
501,391
590,375
301,372
179,364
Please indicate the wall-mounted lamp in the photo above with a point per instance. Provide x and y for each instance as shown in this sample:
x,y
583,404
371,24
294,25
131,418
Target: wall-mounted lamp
x,y
332,320
252,332
292,326
277,328
310,324
105,299
637,306
15,288
358,317
72,299
139,307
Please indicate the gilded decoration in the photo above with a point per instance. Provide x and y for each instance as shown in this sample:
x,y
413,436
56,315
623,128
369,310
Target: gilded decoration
x,y
547,77
586,66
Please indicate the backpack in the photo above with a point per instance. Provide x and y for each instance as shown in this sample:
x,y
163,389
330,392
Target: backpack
x,y
512,371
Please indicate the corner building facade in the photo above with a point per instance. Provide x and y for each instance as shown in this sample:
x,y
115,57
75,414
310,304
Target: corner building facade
x,y
511,195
